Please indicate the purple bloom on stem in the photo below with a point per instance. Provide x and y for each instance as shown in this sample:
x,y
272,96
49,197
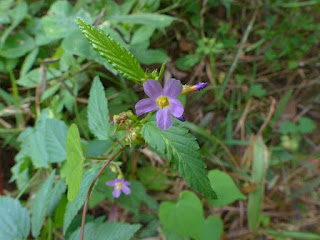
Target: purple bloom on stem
x,y
119,185
163,101
200,86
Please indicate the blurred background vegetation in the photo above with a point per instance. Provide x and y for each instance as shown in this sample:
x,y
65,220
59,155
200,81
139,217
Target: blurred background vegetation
x,y
261,59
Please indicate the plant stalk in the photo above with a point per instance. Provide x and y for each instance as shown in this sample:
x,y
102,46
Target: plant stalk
x,y
85,208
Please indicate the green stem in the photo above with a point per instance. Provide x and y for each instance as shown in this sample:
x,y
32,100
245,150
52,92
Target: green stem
x,y
143,121
49,228
15,93
28,184
85,208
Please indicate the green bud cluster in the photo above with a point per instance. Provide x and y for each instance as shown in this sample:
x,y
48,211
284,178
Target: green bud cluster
x,y
129,122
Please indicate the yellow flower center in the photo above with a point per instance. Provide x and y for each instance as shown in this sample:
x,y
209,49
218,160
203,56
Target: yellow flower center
x,y
163,102
119,186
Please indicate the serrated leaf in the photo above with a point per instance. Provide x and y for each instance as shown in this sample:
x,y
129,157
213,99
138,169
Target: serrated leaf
x,y
120,58
107,231
225,188
41,204
185,217
98,112
73,207
182,150
75,161
14,219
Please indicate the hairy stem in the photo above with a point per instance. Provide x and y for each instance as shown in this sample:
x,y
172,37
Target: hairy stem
x,y
85,208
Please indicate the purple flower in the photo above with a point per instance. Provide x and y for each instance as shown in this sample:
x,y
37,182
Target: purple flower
x,y
119,185
164,101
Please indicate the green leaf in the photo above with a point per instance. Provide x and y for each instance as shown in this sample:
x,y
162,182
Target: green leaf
x,y
55,140
257,90
225,188
14,219
17,45
151,19
59,22
75,161
120,58
98,112
182,150
306,125
34,77
259,168
17,15
186,62
73,207
107,231
212,228
41,204
185,217
29,61
288,127
153,178
293,235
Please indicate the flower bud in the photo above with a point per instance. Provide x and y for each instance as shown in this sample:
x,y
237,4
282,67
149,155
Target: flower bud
x,y
187,89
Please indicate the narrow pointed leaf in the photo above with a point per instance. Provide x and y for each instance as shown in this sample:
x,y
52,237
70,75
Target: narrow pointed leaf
x,y
120,58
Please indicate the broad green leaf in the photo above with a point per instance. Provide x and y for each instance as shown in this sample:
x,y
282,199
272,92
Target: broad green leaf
x,y
75,161
182,150
29,61
41,204
107,231
152,19
73,207
120,58
55,140
186,62
60,21
57,192
288,127
17,45
259,168
34,77
98,112
212,228
225,188
185,217
14,220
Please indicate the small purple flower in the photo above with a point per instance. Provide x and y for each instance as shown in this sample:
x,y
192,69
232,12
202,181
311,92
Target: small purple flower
x,y
182,118
163,101
119,185
201,85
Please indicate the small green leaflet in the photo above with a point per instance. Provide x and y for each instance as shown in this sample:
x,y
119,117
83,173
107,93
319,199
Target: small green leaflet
x,y
182,150
75,161
98,113
120,58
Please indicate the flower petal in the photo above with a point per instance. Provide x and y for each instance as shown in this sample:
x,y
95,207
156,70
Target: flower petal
x,y
126,183
116,192
173,88
152,88
164,119
176,107
146,105
126,190
111,183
